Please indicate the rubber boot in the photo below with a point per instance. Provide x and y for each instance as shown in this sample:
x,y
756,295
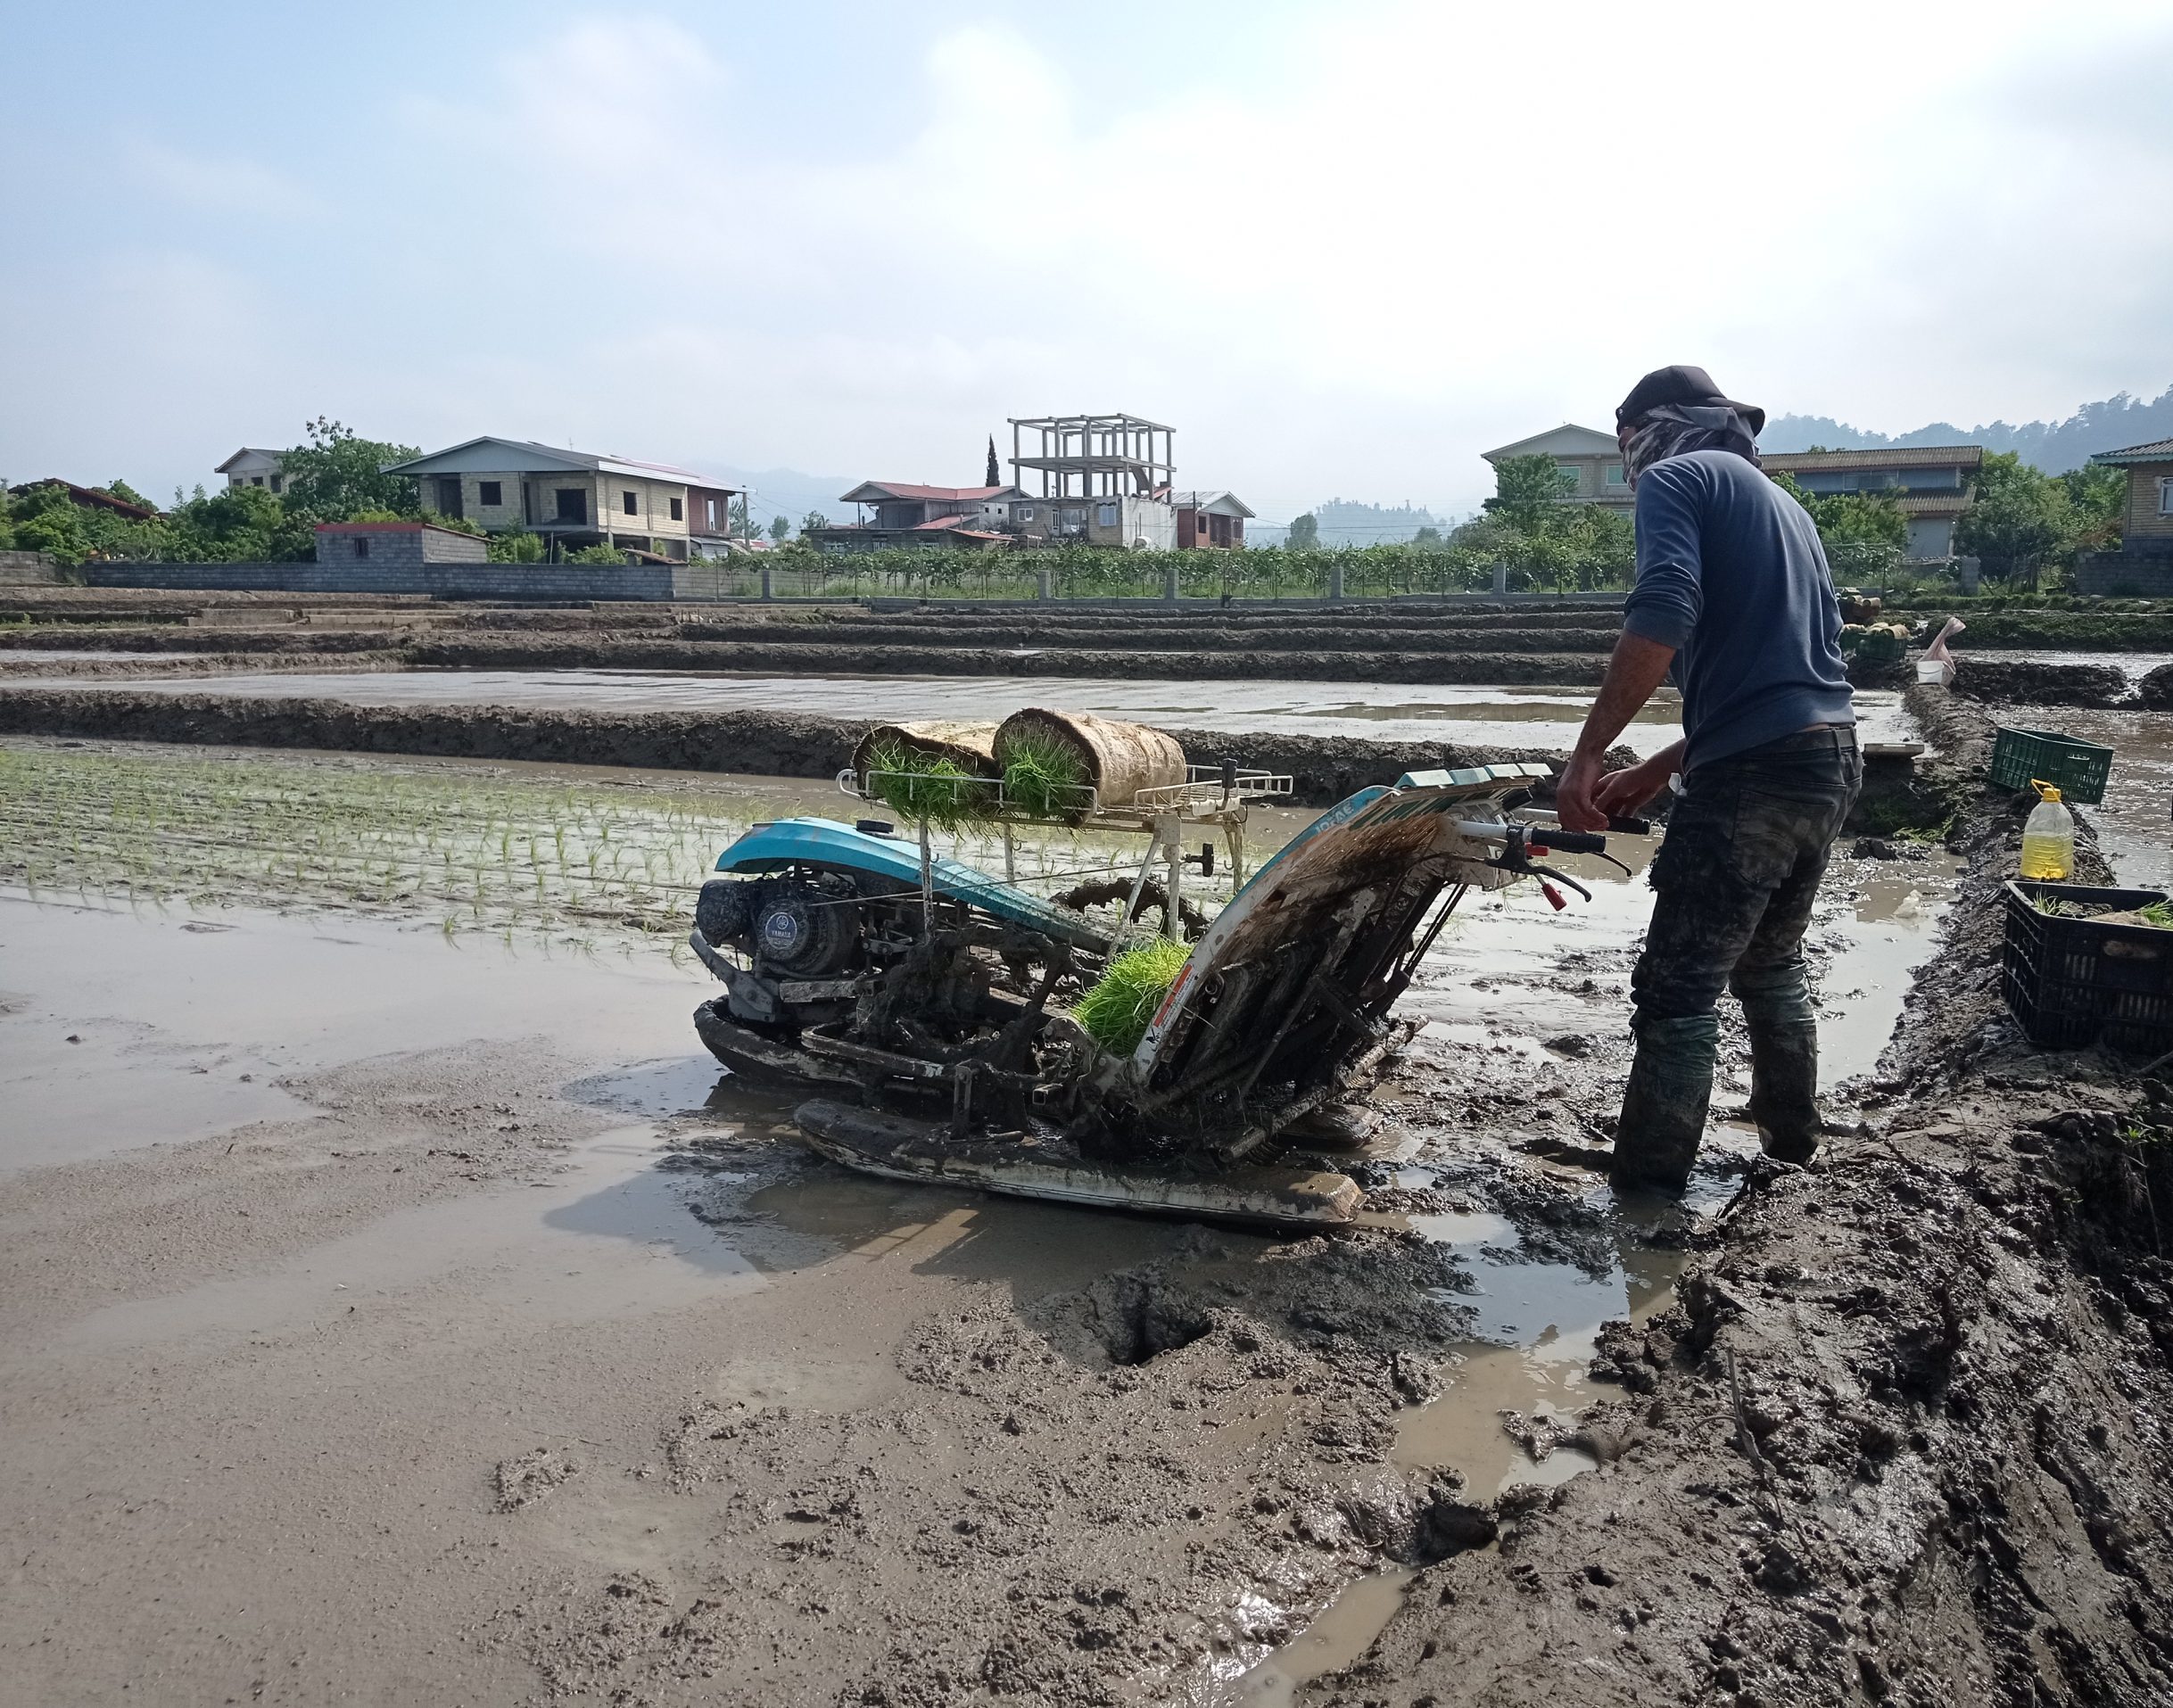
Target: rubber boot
x,y
1664,1105
1783,1062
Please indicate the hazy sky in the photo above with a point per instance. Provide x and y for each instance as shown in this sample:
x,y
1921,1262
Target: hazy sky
x,y
1343,247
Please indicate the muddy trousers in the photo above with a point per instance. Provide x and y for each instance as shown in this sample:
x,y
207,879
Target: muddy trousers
x,y
1734,882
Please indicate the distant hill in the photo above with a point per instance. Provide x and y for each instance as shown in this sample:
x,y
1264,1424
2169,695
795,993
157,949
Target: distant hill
x,y
2053,446
788,493
1349,522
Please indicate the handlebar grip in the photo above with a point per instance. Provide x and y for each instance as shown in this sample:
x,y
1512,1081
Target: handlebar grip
x,y
1572,841
1630,827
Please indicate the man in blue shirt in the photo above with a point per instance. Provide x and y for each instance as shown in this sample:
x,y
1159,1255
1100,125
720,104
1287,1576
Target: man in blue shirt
x,y
1733,600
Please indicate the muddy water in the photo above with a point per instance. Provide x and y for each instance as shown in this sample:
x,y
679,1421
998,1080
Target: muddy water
x,y
1384,711
124,1028
2134,822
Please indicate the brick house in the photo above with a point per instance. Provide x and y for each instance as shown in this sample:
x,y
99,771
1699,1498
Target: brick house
x,y
575,498
1210,520
2144,565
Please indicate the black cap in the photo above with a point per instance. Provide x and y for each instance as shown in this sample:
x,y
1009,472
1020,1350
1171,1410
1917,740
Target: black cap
x,y
1690,387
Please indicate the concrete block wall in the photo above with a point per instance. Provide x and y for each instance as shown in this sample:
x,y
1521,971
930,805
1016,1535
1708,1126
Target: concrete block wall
x,y
35,569
2127,574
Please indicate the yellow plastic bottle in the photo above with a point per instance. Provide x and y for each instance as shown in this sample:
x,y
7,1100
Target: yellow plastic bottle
x,y
2048,838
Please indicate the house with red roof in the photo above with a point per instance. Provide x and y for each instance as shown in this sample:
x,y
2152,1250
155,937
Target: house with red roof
x,y
900,513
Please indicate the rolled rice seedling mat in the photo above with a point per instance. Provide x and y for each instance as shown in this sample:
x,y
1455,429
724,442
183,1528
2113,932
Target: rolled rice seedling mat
x,y
921,790
967,743
1116,758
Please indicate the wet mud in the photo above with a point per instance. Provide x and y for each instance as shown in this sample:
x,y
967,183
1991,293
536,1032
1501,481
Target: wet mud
x,y
633,1401
1895,1440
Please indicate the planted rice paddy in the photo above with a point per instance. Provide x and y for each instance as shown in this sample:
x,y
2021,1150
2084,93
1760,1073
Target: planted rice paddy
x,y
468,848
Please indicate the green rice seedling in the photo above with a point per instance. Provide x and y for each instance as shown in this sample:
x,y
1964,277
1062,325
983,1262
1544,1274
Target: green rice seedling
x,y
1116,1011
1044,775
927,789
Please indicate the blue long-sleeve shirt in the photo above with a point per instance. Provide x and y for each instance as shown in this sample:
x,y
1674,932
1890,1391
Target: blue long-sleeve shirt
x,y
1730,574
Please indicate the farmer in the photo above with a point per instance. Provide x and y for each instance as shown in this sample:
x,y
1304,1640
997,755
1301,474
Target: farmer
x,y
1734,600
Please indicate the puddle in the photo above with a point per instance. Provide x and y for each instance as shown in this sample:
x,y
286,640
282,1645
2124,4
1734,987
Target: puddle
x,y
2134,822
1337,1636
171,1017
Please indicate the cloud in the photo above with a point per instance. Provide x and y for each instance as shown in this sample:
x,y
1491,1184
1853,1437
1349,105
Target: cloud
x,y
1407,233
227,184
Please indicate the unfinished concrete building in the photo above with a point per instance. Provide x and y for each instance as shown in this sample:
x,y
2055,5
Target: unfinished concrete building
x,y
1104,479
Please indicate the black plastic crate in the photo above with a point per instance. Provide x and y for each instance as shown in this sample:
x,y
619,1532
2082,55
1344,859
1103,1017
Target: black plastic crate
x,y
2076,982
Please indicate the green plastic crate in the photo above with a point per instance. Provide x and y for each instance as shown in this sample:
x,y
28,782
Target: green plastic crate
x,y
2076,769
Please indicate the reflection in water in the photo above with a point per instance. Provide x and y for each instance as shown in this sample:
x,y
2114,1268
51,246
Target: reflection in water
x,y
2134,822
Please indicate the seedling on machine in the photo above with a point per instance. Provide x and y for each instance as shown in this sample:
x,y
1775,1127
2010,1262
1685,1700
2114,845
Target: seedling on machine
x,y
964,1029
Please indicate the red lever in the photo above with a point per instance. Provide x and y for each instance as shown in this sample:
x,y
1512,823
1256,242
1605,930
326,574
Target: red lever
x,y
1555,898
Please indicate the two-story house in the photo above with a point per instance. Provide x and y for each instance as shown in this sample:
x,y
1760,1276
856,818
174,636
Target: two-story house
x,y
250,466
1931,485
1589,462
575,498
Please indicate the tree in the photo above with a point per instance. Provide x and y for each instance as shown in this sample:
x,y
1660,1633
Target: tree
x,y
1527,490
2020,520
2098,497
1304,533
736,521
1862,533
126,494
780,528
1427,536
240,525
812,520
517,545
995,477
339,472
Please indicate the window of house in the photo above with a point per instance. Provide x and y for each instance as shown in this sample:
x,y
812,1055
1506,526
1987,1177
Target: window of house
x,y
1612,472
709,514
1105,516
573,504
361,545
1026,513
256,480
2165,495
278,481
678,511
490,492
1203,519
627,503
1568,476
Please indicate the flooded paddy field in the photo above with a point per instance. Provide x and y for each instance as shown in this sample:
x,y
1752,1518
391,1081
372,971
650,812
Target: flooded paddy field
x,y
377,1234
1476,716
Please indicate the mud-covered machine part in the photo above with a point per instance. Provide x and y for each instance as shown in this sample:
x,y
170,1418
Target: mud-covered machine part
x,y
945,1019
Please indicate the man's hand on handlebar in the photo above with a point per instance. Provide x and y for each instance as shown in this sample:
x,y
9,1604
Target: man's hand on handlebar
x,y
1620,793
1574,802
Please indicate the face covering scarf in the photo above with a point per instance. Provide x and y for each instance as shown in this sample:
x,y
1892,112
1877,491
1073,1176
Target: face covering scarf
x,y
1674,430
